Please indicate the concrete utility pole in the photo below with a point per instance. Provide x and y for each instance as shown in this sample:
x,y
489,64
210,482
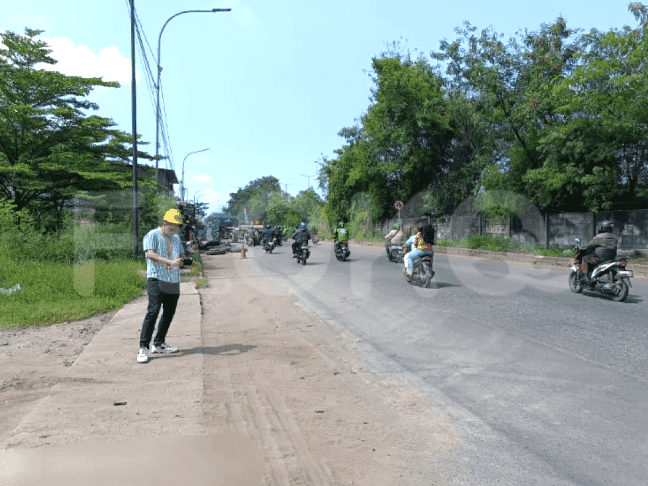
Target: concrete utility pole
x,y
286,187
134,117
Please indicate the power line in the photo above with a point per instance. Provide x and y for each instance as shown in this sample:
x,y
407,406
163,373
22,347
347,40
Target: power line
x,y
151,84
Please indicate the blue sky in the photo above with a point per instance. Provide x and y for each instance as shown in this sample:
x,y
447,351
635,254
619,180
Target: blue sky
x,y
267,86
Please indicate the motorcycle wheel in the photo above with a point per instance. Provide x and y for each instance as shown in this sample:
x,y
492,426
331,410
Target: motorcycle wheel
x,y
574,285
304,260
621,292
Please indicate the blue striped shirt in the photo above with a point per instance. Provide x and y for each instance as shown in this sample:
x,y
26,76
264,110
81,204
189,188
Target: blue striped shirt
x,y
156,242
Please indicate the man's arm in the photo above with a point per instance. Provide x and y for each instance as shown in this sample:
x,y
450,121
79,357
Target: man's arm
x,y
152,255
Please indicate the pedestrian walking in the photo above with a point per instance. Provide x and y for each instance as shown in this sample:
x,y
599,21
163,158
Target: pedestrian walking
x,y
164,258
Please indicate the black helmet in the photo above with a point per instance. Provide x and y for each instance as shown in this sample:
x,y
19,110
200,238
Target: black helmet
x,y
605,227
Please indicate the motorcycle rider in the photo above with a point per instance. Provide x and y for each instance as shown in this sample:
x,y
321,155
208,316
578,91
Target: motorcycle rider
x,y
341,234
277,234
266,235
603,247
422,247
249,235
300,235
394,237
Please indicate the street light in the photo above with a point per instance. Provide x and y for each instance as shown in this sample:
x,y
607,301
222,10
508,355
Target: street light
x,y
157,87
197,193
308,178
183,186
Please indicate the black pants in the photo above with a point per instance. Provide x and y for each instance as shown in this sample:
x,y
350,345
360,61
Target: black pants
x,y
157,299
295,246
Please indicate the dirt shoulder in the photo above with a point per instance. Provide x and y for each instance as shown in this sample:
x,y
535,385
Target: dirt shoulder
x,y
290,381
260,367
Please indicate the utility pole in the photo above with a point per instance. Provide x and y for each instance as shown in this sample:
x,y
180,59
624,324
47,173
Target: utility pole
x,y
286,185
134,116
308,178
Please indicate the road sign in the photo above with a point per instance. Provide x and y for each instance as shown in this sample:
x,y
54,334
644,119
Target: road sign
x,y
399,205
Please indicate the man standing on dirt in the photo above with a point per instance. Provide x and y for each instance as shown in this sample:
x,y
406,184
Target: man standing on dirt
x,y
164,254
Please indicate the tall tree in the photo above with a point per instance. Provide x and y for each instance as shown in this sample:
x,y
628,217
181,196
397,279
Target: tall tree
x,y
596,157
259,189
48,146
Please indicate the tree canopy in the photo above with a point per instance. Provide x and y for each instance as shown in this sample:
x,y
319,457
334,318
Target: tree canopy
x,y
50,150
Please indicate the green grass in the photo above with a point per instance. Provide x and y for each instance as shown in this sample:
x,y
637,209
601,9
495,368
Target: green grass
x,y
504,244
55,289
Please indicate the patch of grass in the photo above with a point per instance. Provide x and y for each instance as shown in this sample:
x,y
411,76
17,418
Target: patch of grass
x,y
53,293
68,275
201,282
504,244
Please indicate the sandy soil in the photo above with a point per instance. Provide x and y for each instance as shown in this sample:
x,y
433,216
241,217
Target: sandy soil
x,y
289,381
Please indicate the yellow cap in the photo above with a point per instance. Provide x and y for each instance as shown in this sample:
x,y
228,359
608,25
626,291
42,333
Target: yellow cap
x,y
173,216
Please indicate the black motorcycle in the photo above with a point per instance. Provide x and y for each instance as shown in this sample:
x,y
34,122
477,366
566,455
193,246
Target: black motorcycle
x,y
422,274
397,254
342,251
269,245
611,278
302,253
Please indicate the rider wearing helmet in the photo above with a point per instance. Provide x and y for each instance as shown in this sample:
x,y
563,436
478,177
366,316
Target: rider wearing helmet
x,y
603,247
394,237
341,234
266,235
277,234
300,235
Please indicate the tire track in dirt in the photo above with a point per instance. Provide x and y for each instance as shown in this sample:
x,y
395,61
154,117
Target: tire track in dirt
x,y
297,389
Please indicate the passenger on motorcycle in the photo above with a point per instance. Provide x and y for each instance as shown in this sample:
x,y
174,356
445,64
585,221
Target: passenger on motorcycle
x,y
267,234
422,246
394,237
300,235
341,234
409,244
603,247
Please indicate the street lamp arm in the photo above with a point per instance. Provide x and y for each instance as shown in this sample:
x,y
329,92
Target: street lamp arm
x,y
180,13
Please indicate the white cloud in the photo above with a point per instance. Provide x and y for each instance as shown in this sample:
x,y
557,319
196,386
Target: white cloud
x,y
202,178
81,61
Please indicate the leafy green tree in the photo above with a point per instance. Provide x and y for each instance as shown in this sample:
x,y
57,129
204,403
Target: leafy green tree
x,y
306,204
597,156
503,84
258,190
50,151
277,209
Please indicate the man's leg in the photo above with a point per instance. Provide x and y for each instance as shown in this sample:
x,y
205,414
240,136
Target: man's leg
x,y
155,302
170,303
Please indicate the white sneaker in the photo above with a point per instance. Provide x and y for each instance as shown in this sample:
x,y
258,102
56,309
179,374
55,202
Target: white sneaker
x,y
409,272
163,348
142,356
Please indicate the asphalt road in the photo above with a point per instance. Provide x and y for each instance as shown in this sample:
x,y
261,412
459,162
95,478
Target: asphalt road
x,y
547,387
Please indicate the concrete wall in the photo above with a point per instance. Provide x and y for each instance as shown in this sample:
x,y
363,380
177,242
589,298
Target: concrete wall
x,y
535,228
